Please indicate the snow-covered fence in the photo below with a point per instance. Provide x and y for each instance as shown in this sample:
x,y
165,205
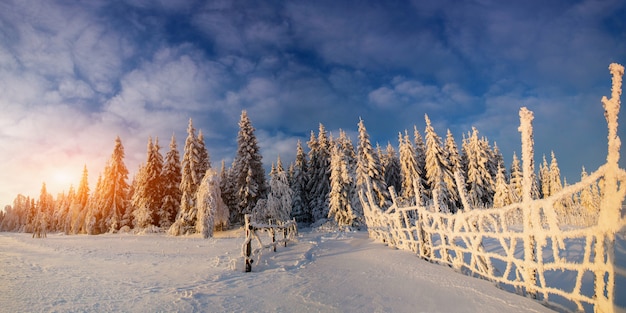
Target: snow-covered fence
x,y
288,230
557,250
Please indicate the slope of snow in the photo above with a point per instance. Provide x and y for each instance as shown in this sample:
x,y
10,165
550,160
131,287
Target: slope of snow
x,y
321,272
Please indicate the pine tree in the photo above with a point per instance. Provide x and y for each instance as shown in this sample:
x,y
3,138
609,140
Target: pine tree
x,y
391,166
544,178
501,197
411,177
369,169
76,217
300,210
454,165
589,196
342,185
190,181
64,211
280,197
319,174
479,179
228,188
248,172
148,195
555,184
171,186
437,169
209,203
420,157
114,197
203,156
515,181
42,216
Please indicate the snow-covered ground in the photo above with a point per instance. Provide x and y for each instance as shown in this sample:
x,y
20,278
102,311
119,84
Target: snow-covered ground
x,y
320,272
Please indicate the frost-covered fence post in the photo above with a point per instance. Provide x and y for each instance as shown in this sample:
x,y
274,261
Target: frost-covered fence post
x,y
610,206
288,228
248,244
528,169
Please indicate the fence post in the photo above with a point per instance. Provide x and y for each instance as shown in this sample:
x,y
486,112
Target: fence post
x,y
248,243
528,169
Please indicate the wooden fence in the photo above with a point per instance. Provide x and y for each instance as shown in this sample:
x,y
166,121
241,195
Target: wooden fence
x,y
554,250
288,229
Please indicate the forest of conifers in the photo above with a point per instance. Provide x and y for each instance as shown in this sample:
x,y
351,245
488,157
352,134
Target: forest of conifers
x,y
184,195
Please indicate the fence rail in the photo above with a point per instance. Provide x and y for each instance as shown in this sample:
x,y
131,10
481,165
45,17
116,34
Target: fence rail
x,y
288,229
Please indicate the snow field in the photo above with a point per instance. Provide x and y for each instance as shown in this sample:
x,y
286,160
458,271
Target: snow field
x,y
319,272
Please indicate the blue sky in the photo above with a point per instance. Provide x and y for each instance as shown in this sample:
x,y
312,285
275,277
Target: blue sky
x,y
75,75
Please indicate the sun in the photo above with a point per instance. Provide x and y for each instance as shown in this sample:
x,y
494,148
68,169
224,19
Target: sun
x,y
62,178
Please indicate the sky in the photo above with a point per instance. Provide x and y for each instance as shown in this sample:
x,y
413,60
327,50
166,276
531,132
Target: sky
x,y
74,75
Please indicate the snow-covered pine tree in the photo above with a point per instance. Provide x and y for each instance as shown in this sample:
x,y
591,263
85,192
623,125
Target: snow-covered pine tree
x,y
345,144
437,169
589,197
319,174
248,172
454,165
501,198
479,180
64,211
204,160
420,157
76,216
411,178
148,194
190,180
113,200
342,186
42,209
171,187
544,178
299,181
209,204
515,181
369,169
280,197
555,184
93,209
228,188
391,166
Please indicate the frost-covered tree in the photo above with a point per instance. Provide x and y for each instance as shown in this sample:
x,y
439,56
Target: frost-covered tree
x,y
369,170
479,180
148,193
411,177
248,172
319,174
209,203
280,197
228,187
589,196
193,163
76,216
342,186
454,165
300,209
437,168
419,146
171,186
544,178
391,168
555,176
502,196
204,160
42,208
112,201
515,181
